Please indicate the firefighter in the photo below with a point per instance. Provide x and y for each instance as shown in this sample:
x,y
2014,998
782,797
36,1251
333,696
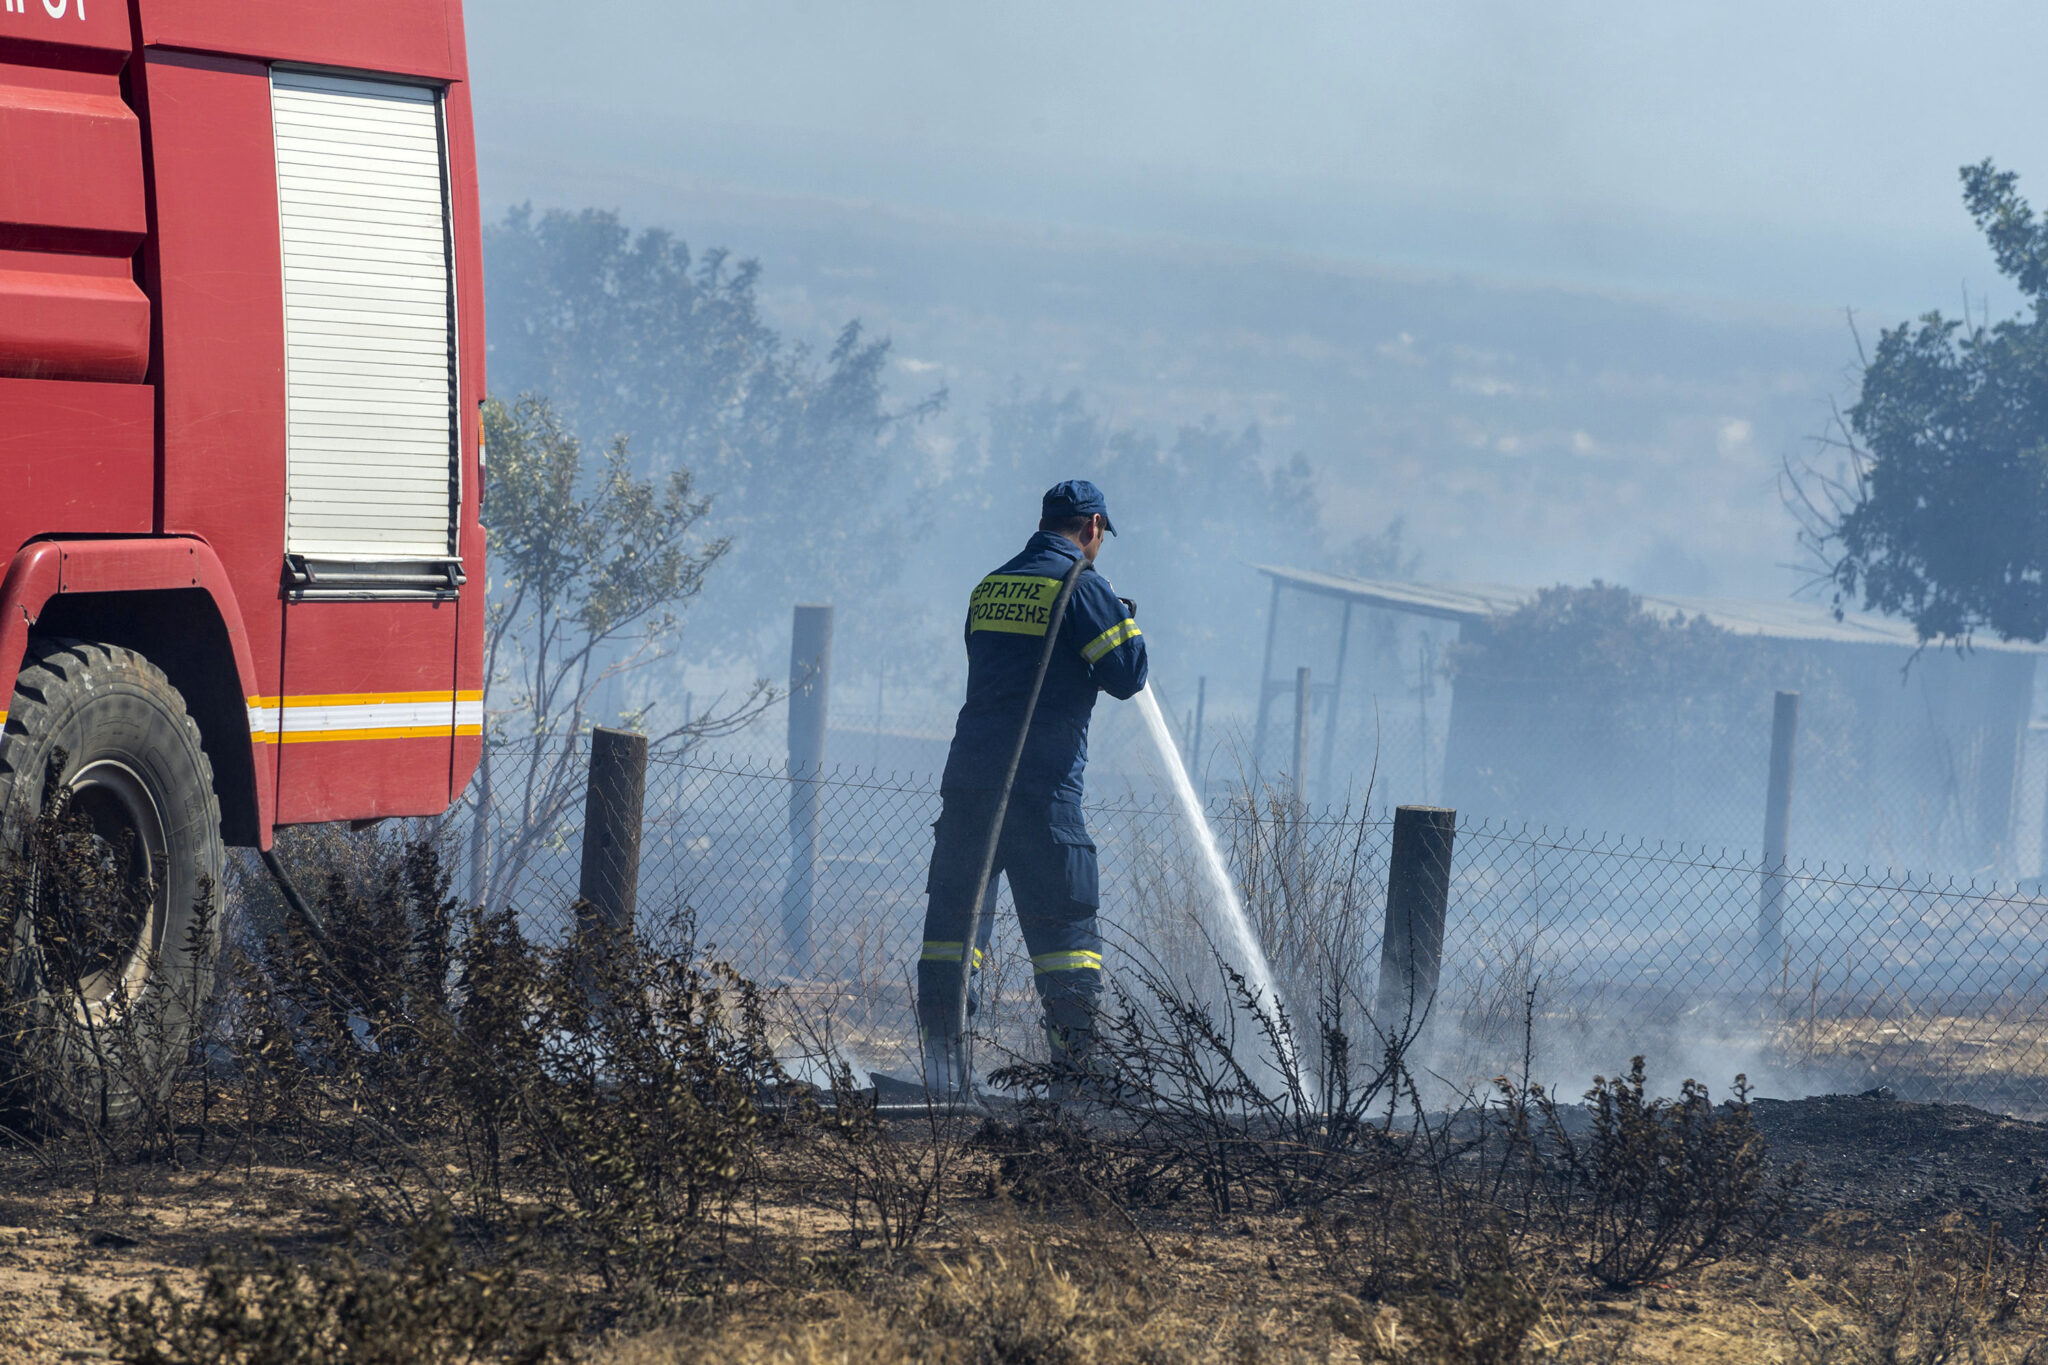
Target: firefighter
x,y
1044,845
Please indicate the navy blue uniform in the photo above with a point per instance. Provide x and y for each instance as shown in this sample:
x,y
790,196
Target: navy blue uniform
x,y
1044,846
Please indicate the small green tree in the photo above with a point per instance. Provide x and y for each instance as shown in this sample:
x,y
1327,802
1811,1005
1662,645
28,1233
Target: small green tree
x,y
1941,512
591,567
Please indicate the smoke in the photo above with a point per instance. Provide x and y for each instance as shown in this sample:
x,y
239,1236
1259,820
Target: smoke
x,y
1553,295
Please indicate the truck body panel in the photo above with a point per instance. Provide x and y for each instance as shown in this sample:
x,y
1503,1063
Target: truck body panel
x,y
401,37
78,458
71,217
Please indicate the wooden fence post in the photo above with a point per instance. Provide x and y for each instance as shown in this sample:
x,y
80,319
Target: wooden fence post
x,y
612,806
1418,901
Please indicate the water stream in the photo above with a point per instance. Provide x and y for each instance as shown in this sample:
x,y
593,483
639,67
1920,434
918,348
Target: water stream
x,y
1225,908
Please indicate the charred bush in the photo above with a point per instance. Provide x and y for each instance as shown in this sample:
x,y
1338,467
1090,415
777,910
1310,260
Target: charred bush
x,y
1045,1165
891,1178
640,1090
1224,1107
366,994
1662,1184
421,1305
1216,1100
607,1088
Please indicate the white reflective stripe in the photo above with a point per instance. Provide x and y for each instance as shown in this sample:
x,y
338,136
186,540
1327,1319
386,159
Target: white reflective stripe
x,y
380,715
313,719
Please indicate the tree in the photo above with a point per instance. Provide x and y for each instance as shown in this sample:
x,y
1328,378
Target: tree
x,y
1379,554
1941,512
631,333
590,568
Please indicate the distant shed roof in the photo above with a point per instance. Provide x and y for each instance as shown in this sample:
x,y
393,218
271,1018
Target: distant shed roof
x,y
1778,620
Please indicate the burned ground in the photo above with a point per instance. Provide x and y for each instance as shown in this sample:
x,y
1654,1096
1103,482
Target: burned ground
x,y
1890,1189
1908,1164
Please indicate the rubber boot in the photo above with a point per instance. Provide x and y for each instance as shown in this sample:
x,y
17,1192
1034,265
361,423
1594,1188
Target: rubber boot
x,y
1077,1073
948,1074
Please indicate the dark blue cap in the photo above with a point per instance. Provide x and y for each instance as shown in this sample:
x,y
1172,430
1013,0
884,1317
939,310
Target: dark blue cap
x,y
1076,498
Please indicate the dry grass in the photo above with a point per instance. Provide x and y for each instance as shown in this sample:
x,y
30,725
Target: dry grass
x,y
1972,1054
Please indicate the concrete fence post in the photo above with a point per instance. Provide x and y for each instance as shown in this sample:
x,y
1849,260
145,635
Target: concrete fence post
x,y
1266,686
480,833
810,676
1418,901
1770,907
612,806
1302,705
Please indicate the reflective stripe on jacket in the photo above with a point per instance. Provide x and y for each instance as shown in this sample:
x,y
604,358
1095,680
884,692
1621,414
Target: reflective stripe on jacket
x,y
1099,649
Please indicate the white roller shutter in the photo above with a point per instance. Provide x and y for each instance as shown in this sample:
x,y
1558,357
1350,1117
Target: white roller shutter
x,y
368,321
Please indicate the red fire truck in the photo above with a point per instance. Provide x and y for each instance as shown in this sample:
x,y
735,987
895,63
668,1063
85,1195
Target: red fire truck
x,y
241,357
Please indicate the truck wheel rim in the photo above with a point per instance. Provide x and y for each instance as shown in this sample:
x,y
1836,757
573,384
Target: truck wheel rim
x,y
128,832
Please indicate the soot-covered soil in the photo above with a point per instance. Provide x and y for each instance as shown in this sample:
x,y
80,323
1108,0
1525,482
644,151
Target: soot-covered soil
x,y
1903,1162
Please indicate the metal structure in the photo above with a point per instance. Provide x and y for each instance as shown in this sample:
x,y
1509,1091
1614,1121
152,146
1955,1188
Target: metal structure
x,y
1770,913
1916,756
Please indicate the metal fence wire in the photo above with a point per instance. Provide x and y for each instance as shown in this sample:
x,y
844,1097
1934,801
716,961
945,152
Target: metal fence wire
x,y
1564,952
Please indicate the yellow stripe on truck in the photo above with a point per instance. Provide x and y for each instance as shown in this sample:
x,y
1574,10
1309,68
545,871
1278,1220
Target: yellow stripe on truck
x,y
364,698
324,717
385,732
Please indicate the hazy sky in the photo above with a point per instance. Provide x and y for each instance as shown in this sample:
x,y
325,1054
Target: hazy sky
x,y
1802,154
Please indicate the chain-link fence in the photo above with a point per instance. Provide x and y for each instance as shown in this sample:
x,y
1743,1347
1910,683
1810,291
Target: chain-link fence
x,y
1888,793
1564,952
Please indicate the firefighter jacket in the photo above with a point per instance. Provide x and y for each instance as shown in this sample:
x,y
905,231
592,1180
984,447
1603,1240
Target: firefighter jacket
x,y
1098,649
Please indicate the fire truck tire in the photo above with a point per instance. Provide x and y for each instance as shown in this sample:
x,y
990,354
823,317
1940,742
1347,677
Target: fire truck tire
x,y
95,1032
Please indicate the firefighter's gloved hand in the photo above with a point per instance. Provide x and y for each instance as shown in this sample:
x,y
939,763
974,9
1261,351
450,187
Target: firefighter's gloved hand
x,y
1130,607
